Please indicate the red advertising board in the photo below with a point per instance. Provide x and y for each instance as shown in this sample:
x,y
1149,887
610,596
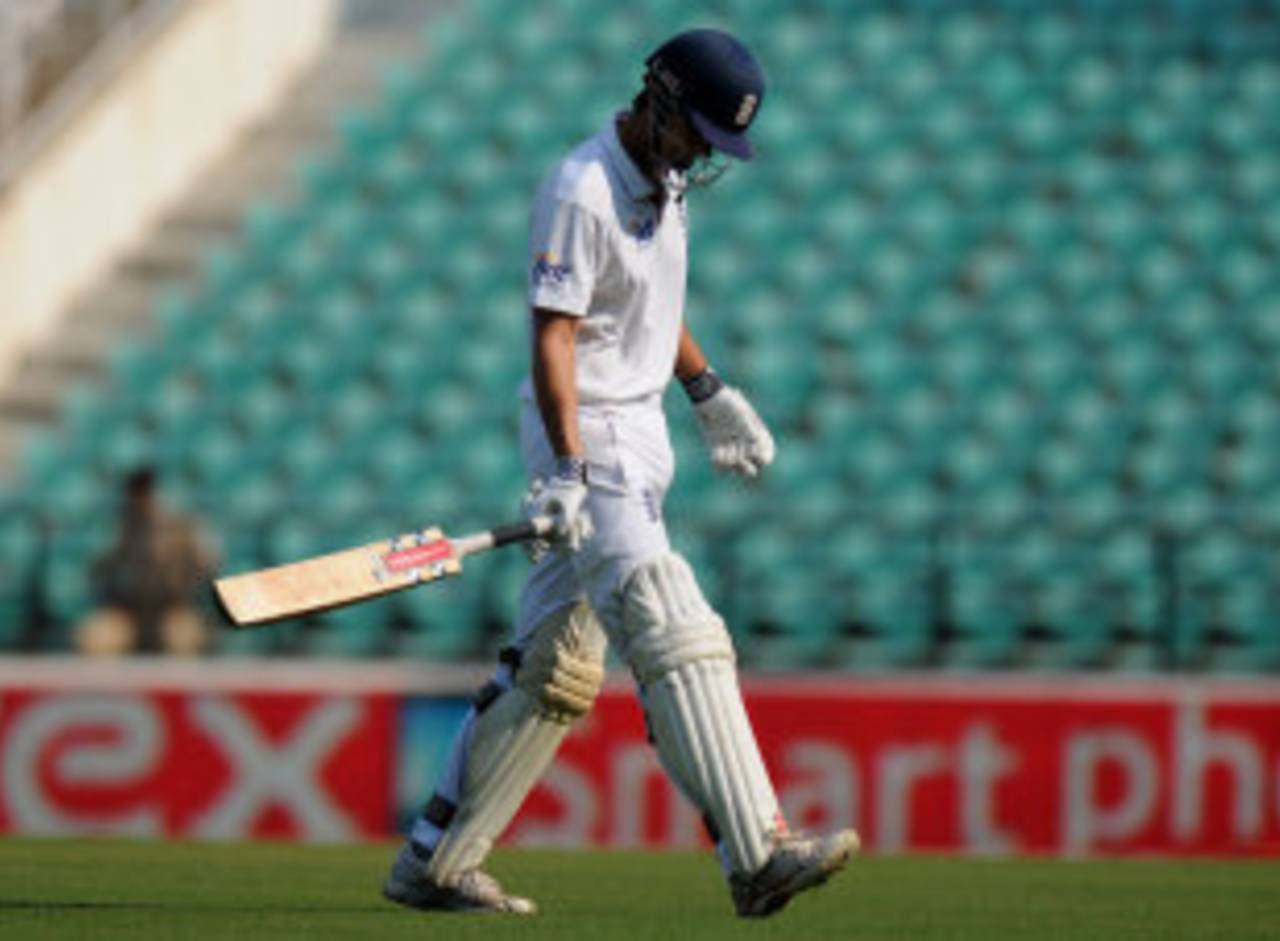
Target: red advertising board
x,y
1006,767
222,765
978,765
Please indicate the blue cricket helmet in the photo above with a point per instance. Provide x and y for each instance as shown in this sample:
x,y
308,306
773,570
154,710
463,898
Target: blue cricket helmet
x,y
718,83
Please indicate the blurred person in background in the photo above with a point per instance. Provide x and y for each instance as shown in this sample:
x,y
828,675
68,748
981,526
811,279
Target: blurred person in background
x,y
148,582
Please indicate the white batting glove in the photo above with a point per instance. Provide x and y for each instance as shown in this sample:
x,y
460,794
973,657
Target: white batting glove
x,y
560,497
734,433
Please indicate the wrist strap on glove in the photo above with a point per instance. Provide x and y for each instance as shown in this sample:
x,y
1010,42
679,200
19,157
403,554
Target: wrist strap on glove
x,y
571,467
703,386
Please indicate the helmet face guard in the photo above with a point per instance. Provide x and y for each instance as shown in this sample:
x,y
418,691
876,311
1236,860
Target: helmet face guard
x,y
706,170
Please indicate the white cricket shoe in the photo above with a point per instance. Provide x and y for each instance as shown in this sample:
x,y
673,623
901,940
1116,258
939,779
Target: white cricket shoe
x,y
797,863
474,891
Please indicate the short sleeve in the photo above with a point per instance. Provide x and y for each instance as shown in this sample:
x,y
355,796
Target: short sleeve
x,y
563,246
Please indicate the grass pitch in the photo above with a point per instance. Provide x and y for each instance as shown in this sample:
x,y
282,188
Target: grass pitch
x,y
110,889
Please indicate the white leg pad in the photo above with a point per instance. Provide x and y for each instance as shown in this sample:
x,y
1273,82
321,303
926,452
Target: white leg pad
x,y
515,738
678,646
667,621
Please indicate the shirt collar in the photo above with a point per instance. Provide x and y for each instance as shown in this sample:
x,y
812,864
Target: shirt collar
x,y
637,185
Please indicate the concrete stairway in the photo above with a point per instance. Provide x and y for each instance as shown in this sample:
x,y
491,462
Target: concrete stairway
x,y
262,165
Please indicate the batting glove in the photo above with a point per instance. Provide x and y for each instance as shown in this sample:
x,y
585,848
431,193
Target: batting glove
x,y
734,433
561,497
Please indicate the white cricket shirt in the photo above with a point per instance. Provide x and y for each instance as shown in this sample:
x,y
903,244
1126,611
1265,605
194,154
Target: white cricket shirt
x,y
599,249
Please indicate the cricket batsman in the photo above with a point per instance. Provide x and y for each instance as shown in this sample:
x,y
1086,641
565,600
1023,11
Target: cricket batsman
x,y
607,272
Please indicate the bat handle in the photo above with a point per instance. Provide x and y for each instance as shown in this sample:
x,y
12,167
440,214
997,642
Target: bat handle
x,y
502,536
521,532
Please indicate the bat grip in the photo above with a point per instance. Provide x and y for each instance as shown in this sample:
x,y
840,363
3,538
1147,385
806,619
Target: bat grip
x,y
521,532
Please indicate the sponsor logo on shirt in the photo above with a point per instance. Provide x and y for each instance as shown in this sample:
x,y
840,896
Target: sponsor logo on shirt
x,y
549,272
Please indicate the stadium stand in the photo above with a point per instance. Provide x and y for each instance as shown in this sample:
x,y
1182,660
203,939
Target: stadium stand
x,y
1005,279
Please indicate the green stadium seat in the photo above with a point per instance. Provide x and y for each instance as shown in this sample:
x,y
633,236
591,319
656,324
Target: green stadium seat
x,y
1255,179
19,555
268,229
1170,460
255,500
13,619
1251,472
397,461
1186,508
67,591
1080,616
1174,177
230,642
1245,272
1250,612
1099,497
1235,129
353,631
1125,564
1259,82
985,621
293,538
1222,556
781,380
1190,320
442,621
224,365
896,608
1202,222
796,619
879,581
134,371
210,454
504,578
266,410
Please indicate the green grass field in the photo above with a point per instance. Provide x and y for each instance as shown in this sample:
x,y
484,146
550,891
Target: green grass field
x,y
109,889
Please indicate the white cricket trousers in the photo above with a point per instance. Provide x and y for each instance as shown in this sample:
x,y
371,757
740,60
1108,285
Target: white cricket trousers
x,y
629,469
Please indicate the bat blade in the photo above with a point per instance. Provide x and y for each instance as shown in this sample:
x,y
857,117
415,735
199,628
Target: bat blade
x,y
337,579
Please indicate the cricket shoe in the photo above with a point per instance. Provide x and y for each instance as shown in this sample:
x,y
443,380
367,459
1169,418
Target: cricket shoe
x,y
797,863
473,891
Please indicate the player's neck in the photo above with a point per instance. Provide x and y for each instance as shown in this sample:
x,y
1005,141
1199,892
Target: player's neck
x,y
633,134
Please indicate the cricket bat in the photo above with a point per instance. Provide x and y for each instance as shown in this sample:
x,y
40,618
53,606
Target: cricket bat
x,y
357,574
